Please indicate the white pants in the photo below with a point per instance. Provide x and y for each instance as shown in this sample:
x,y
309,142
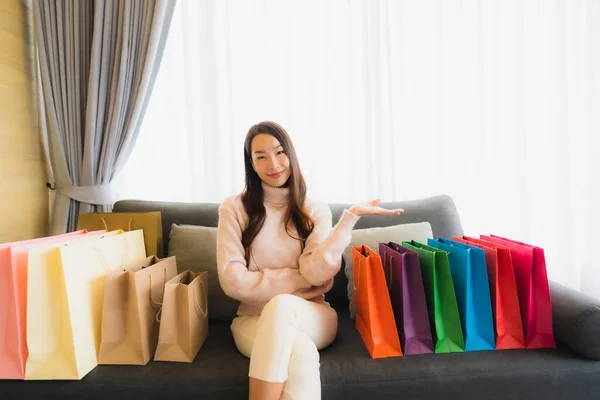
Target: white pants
x,y
283,342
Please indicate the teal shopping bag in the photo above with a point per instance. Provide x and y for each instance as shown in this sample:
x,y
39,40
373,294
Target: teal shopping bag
x,y
471,286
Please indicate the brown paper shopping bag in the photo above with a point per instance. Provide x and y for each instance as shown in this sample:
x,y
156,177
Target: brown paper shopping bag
x,y
149,222
132,300
184,320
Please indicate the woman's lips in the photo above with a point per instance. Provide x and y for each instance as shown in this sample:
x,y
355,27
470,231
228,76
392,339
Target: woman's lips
x,y
277,175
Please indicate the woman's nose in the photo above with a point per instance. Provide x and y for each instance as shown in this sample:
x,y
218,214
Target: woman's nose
x,y
273,164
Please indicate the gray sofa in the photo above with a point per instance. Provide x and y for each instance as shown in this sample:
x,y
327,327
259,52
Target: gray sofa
x,y
219,372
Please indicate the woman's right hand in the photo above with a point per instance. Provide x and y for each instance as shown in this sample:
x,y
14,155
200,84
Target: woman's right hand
x,y
372,208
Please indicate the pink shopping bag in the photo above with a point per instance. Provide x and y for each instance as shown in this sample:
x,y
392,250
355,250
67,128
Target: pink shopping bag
x,y
533,291
13,301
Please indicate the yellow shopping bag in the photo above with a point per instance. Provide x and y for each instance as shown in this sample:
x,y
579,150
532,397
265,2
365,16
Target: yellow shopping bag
x,y
149,222
65,295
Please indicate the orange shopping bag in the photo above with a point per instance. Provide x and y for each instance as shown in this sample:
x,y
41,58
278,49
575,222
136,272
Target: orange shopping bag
x,y
374,316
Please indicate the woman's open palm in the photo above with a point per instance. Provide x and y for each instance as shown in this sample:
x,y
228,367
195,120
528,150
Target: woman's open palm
x,y
372,208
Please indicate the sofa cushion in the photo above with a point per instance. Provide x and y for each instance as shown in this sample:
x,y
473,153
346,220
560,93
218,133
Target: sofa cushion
x,y
372,237
195,249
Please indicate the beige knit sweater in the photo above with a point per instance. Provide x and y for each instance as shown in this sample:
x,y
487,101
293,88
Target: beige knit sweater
x,y
277,264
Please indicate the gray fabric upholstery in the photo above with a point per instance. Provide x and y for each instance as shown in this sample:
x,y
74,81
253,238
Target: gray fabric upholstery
x,y
576,320
439,211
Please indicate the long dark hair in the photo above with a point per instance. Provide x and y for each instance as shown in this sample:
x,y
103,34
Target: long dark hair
x,y
252,196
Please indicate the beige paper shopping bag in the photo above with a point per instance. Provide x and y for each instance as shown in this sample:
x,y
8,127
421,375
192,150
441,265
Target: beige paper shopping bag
x,y
66,292
149,222
47,308
184,320
132,300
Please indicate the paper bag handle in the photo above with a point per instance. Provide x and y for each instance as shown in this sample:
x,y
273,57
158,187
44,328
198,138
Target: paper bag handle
x,y
154,303
106,225
198,308
355,282
105,264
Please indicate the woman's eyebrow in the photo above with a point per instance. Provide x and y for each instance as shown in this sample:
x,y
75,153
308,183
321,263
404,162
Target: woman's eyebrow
x,y
262,151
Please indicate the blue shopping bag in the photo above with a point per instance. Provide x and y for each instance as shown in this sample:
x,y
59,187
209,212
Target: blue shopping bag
x,y
469,275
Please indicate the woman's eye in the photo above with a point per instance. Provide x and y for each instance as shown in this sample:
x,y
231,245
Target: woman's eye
x,y
260,157
281,152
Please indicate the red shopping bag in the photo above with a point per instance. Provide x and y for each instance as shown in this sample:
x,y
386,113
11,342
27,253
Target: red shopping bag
x,y
503,291
374,316
531,276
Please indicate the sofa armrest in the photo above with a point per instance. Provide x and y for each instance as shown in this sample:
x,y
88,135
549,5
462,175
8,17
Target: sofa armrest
x,y
576,320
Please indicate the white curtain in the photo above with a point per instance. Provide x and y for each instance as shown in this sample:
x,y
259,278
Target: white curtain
x,y
493,102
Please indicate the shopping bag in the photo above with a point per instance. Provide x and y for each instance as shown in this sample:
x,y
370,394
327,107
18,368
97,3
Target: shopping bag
x,y
132,301
184,317
374,315
441,299
65,295
13,302
149,222
471,286
503,291
407,295
533,290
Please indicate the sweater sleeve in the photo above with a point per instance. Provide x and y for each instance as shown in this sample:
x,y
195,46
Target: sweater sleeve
x,y
254,287
322,256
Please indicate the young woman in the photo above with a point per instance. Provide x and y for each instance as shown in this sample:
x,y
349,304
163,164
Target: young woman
x,y
277,254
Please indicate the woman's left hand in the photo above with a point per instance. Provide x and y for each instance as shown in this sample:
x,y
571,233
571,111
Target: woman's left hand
x,y
372,208
314,291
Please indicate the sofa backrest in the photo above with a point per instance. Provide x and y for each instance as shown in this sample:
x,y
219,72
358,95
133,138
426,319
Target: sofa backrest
x,y
440,211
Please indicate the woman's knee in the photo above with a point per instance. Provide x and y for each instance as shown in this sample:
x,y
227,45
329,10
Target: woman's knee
x,y
281,305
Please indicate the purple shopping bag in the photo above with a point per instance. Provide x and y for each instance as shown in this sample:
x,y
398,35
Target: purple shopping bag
x,y
405,285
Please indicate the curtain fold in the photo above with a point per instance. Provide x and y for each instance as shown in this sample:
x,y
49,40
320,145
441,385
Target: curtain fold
x,y
98,62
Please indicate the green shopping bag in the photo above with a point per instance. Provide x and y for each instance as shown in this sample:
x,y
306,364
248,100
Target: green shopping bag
x,y
441,300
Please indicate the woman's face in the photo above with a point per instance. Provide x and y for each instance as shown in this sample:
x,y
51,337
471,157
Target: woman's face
x,y
269,160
